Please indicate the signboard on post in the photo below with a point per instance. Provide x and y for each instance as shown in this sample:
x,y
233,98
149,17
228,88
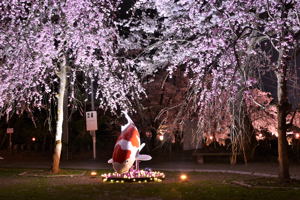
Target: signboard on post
x,y
91,121
10,130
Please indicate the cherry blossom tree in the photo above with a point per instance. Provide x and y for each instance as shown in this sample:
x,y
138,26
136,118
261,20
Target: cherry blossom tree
x,y
192,34
217,41
278,25
45,44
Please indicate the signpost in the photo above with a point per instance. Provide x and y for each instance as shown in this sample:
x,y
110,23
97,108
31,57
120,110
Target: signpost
x,y
92,126
91,121
10,131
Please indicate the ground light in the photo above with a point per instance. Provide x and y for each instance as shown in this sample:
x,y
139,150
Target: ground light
x,y
93,174
33,139
183,177
138,176
161,137
297,136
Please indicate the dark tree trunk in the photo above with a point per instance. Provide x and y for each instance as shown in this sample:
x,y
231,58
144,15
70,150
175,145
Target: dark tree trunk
x,y
249,139
44,143
282,111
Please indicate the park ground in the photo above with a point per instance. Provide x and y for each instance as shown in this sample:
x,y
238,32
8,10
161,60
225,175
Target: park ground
x,y
78,184
29,178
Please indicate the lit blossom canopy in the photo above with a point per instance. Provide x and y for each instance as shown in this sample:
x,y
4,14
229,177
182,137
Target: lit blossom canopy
x,y
35,38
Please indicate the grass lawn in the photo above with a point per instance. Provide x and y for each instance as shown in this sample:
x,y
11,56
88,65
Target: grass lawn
x,y
200,186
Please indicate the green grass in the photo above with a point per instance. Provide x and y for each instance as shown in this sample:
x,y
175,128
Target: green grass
x,y
48,173
202,186
7,172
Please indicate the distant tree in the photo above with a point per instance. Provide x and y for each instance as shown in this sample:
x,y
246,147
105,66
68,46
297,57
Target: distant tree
x,y
44,44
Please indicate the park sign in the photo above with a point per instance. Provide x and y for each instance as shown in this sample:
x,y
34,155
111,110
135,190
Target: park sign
x,y
10,130
91,121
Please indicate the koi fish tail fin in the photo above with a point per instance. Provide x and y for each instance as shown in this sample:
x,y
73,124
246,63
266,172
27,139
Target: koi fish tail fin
x,y
129,121
141,147
143,157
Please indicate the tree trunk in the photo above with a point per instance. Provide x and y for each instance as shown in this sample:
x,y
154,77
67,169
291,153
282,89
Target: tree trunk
x,y
281,120
44,143
65,136
243,134
249,142
56,156
60,116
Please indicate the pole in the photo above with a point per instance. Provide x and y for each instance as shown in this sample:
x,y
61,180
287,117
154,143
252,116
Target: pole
x,y
10,143
94,144
93,133
137,165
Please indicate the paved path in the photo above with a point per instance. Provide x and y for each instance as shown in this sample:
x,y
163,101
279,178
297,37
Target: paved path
x,y
268,169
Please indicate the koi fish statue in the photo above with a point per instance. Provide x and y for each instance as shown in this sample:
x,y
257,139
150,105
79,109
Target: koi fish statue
x,y
127,148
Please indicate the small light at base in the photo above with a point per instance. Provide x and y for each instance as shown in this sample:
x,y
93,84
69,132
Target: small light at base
x,y
297,136
211,137
93,174
183,177
161,137
33,139
260,135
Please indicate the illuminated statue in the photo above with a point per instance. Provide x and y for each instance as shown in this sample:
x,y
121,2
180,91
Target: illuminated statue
x,y
127,148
